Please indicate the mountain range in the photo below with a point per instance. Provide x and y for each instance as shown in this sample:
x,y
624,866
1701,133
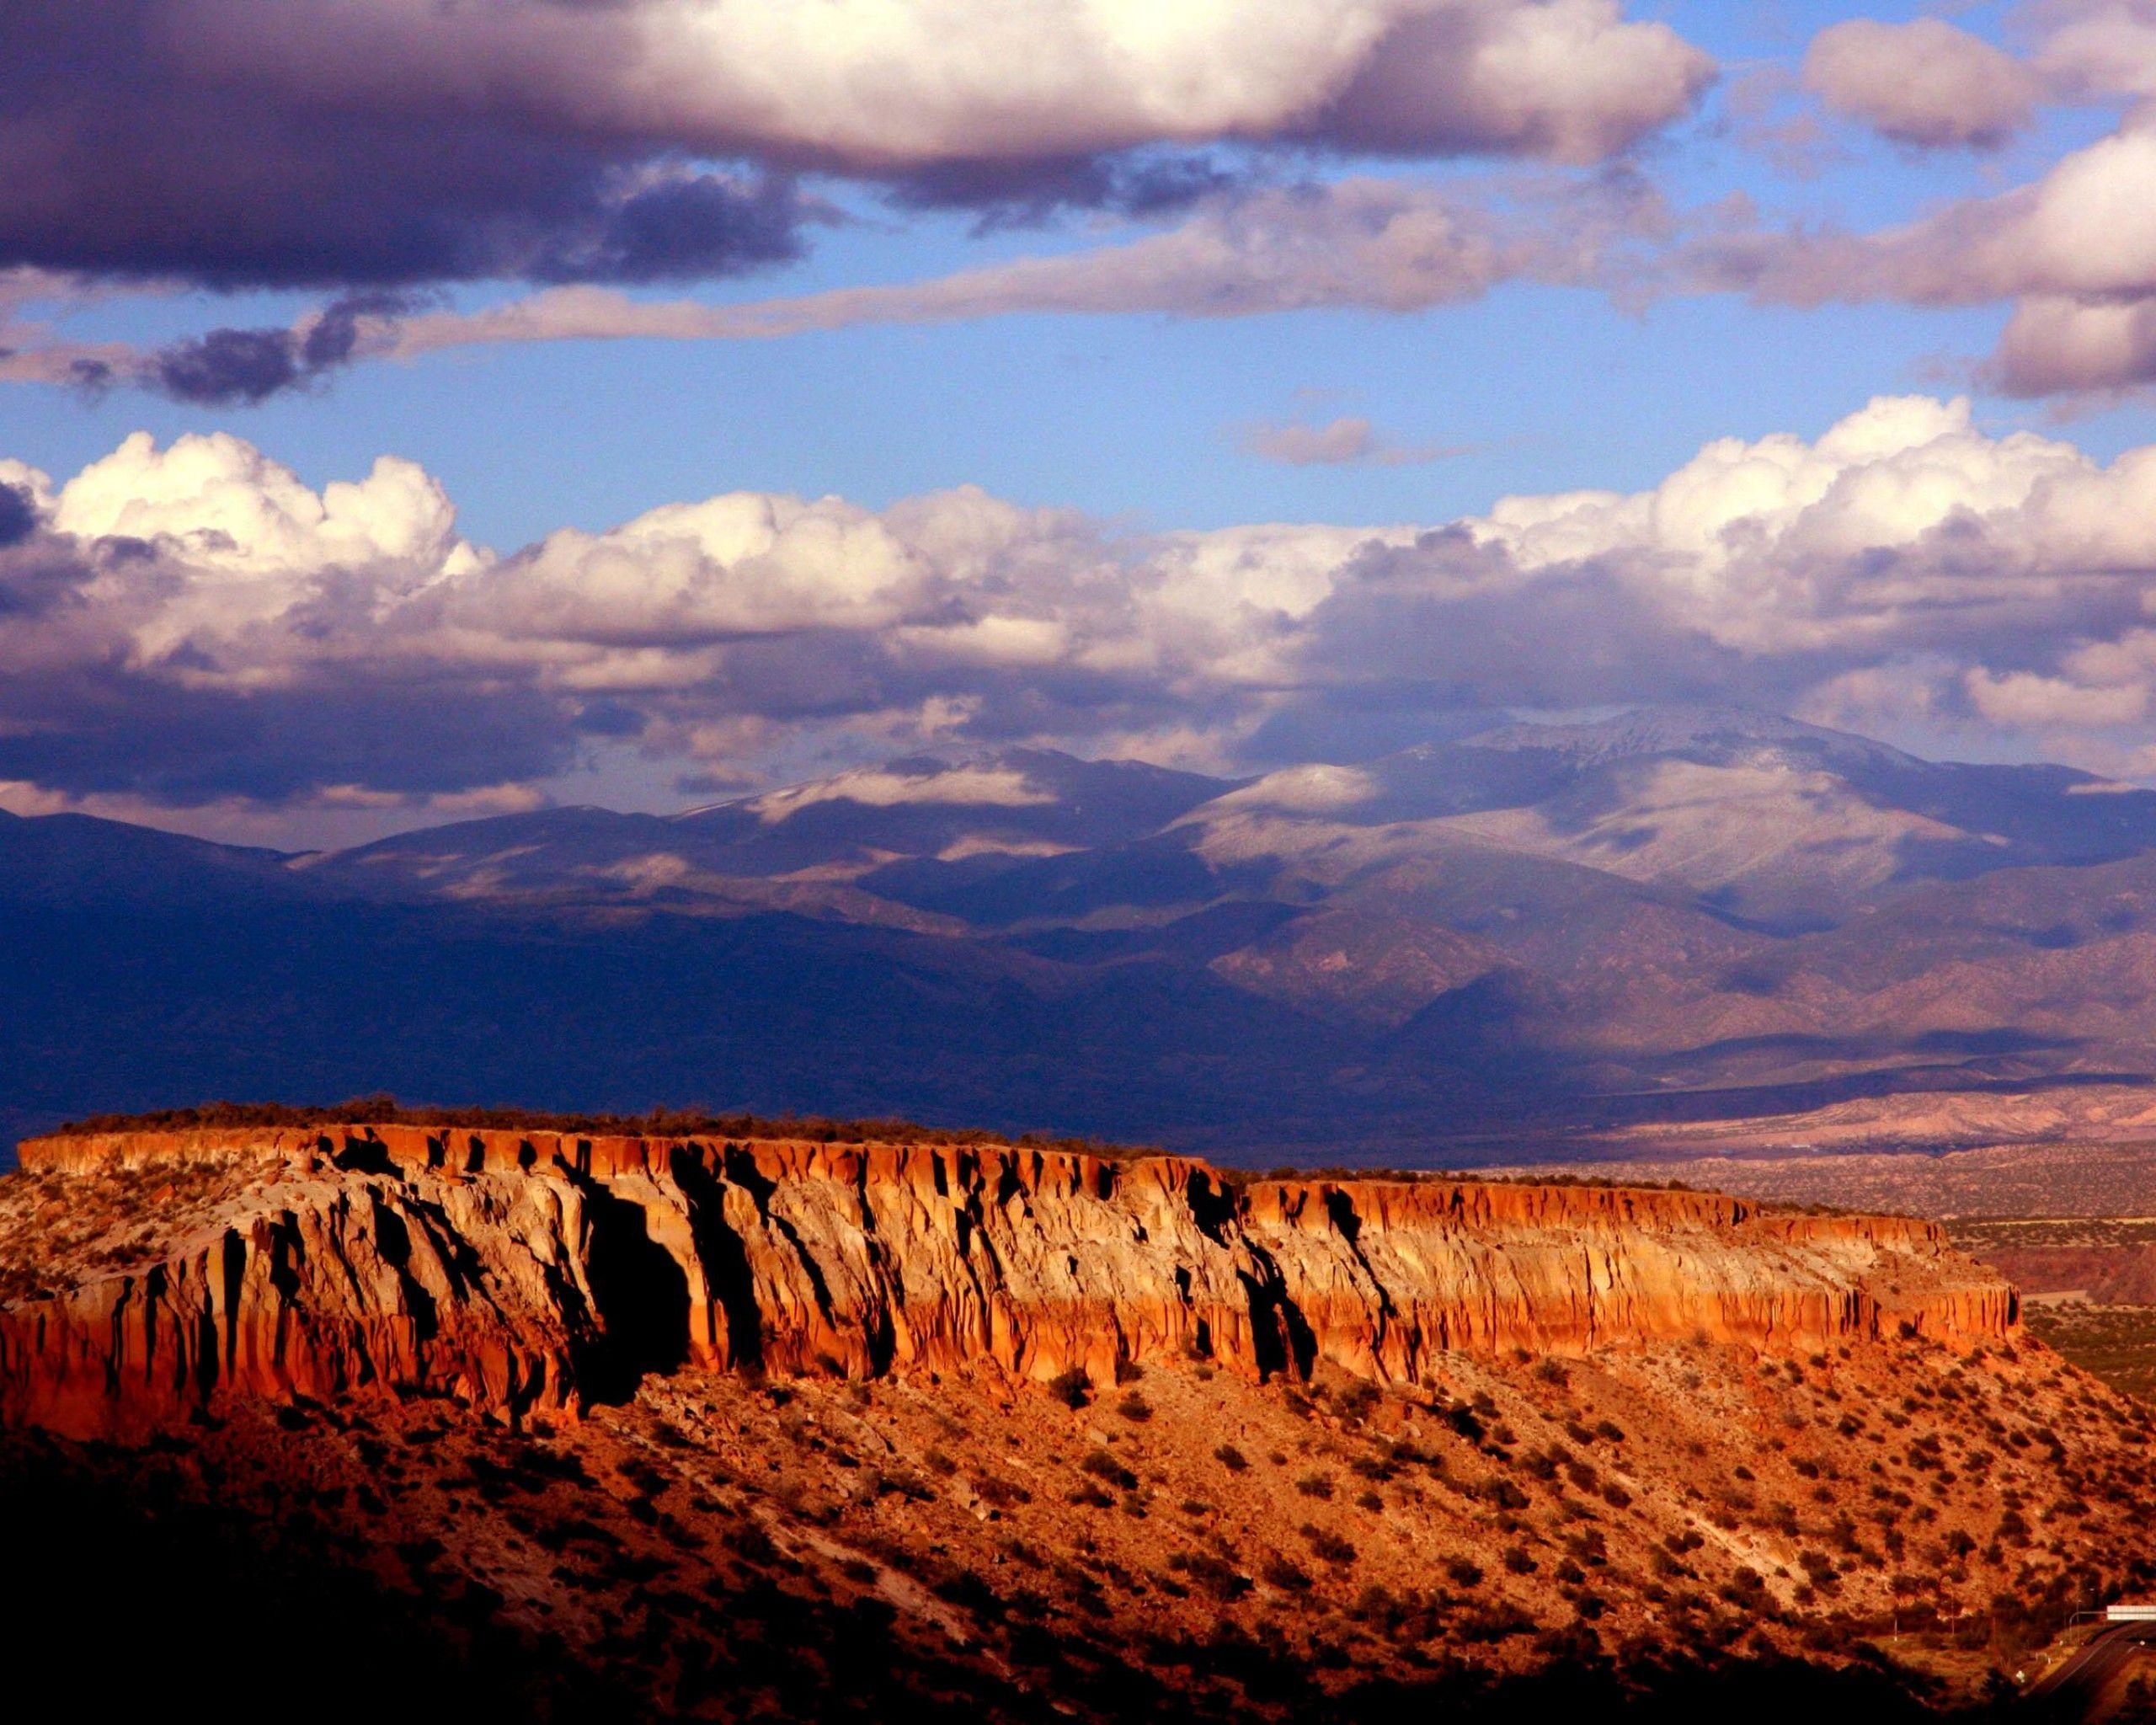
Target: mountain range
x,y
1468,949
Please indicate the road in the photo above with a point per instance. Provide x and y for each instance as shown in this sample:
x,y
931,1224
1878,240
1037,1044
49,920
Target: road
x,y
2072,1691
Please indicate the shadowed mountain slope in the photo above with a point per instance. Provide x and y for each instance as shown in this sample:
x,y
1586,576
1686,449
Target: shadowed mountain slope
x,y
1474,946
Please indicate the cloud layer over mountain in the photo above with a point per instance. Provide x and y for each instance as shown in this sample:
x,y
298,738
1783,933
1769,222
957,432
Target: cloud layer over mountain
x,y
191,623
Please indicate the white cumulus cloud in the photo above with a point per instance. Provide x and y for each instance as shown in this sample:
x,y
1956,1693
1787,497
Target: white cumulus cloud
x,y
2073,251
193,624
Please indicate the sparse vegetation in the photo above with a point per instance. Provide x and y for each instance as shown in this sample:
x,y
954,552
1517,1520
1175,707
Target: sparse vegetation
x,y
1217,1577
658,1122
1101,1465
2117,1343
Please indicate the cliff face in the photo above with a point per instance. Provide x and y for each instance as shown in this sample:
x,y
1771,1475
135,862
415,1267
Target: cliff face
x,y
527,1272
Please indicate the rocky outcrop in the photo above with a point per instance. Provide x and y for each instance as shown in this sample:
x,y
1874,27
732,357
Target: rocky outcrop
x,y
320,1280
524,1272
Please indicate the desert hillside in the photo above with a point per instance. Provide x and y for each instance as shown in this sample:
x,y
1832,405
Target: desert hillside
x,y
716,1427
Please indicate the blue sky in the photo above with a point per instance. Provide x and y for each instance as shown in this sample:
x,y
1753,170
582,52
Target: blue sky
x,y
1550,388
1142,417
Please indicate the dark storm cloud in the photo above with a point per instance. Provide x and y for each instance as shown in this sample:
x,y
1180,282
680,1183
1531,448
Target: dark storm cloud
x,y
680,228
130,156
339,143
151,737
244,367
1446,622
335,335
229,365
1006,194
84,707
17,515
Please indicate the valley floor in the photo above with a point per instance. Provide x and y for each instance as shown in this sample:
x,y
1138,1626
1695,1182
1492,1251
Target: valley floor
x,y
2117,1343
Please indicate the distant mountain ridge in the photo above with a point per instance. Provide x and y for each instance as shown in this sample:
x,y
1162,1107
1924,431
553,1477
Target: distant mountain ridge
x,y
1522,934
1014,804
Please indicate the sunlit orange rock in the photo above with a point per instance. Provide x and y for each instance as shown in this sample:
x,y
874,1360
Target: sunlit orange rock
x,y
525,1272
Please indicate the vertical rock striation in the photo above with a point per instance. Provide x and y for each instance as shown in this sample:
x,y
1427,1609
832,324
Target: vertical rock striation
x,y
523,1272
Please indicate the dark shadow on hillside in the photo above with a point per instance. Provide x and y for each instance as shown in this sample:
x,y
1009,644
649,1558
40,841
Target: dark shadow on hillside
x,y
1749,1102
139,1590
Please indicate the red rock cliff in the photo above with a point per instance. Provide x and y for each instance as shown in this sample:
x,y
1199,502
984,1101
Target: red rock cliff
x,y
522,1271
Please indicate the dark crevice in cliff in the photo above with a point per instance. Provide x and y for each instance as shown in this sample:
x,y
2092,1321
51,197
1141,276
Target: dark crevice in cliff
x,y
1214,1206
364,1156
274,1240
724,1259
232,1254
881,1336
643,1301
810,1268
739,1166
1280,1337
1341,1208
394,1238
